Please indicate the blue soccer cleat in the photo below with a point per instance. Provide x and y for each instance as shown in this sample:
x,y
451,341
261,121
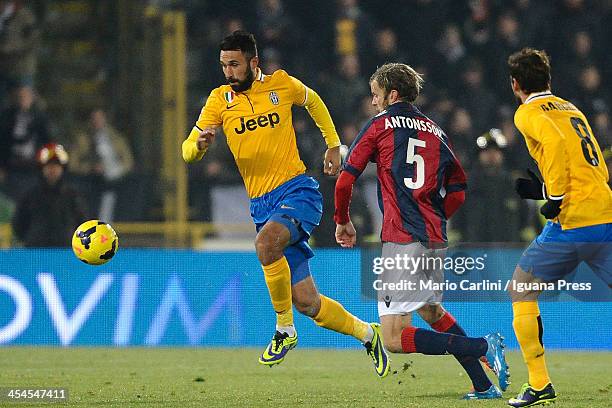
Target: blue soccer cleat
x,y
277,349
377,352
496,357
528,397
492,393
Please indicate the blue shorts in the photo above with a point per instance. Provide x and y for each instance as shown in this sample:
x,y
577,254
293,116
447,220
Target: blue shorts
x,y
298,205
556,253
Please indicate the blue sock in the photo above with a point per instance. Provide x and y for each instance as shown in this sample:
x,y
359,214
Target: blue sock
x,y
471,365
429,342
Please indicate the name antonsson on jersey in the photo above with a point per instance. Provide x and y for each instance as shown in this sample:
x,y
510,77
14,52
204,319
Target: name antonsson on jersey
x,y
271,119
411,123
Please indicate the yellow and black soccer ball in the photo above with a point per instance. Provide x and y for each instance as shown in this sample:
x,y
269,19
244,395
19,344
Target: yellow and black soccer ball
x,y
95,242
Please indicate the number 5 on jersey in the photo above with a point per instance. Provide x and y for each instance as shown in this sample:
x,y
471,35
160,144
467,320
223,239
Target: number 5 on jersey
x,y
418,174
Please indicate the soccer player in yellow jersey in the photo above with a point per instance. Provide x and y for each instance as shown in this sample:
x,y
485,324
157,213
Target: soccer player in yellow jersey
x,y
578,207
254,111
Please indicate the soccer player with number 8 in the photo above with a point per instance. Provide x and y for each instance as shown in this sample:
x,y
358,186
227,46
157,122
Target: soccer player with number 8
x,y
578,207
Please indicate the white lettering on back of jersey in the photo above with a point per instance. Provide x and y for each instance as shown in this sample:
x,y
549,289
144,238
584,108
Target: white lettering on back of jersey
x,y
411,123
395,121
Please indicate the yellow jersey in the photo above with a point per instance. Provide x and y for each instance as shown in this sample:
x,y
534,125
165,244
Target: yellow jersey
x,y
258,127
560,140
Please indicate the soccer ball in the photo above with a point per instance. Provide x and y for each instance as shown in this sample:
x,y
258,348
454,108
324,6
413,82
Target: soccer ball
x,y
95,242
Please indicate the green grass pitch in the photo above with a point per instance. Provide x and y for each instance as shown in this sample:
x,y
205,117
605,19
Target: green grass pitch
x,y
204,377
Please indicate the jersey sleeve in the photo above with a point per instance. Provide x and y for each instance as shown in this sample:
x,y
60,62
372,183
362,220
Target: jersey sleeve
x,y
210,116
554,172
302,95
553,167
455,186
456,179
297,90
521,122
342,197
362,150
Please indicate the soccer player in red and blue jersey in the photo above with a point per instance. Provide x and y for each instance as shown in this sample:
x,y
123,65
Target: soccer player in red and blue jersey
x,y
421,185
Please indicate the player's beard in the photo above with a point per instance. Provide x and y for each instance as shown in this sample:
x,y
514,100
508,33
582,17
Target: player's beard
x,y
242,86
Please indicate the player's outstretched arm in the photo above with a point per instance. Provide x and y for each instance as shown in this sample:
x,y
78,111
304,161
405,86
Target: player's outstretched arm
x,y
196,145
320,114
203,133
306,97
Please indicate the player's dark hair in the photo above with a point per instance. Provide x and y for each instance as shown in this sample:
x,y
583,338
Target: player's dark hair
x,y
240,41
401,77
531,69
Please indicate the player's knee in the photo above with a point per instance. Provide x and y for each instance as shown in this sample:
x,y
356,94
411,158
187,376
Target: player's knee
x,y
523,296
309,309
512,292
308,305
522,285
268,247
514,295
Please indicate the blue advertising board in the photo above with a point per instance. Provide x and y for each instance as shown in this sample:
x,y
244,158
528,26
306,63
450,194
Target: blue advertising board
x,y
159,297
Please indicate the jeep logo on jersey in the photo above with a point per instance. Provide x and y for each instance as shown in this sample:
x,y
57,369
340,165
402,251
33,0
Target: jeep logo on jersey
x,y
274,98
271,119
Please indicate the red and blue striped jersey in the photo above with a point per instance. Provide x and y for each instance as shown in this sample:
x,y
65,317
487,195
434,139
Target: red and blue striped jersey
x,y
420,180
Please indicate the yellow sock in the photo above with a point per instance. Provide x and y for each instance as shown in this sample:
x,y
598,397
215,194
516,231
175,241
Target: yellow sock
x,y
278,280
333,316
528,328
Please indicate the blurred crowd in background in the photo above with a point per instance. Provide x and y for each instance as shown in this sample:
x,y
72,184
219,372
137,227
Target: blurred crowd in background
x,y
460,47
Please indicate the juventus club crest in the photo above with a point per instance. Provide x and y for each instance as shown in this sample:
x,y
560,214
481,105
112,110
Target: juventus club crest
x,y
274,98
